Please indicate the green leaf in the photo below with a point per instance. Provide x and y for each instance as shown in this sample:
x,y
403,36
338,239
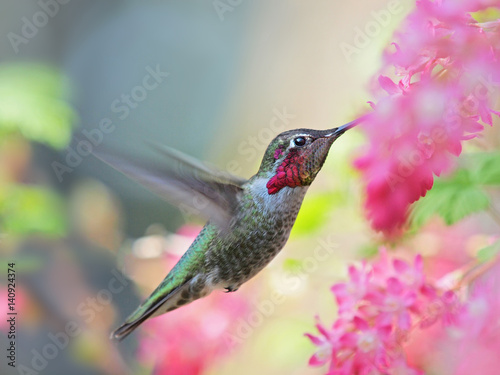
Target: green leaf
x,y
32,103
31,210
452,199
461,194
465,202
489,252
484,168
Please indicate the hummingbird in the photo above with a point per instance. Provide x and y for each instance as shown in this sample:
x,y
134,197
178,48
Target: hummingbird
x,y
249,221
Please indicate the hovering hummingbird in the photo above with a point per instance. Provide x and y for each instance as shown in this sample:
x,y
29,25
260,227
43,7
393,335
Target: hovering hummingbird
x,y
249,221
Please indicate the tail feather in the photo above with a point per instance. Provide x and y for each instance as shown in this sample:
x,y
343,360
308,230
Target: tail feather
x,y
125,329
142,313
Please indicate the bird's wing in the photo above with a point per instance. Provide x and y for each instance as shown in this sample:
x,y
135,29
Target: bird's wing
x,y
189,161
181,180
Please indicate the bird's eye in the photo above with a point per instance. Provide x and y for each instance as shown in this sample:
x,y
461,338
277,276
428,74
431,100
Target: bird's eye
x,y
299,141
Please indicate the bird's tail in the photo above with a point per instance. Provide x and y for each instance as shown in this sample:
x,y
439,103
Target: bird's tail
x,y
158,303
125,329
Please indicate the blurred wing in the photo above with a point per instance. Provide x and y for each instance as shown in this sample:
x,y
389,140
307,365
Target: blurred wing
x,y
183,182
188,161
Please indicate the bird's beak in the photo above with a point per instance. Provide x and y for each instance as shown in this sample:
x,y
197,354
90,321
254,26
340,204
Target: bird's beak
x,y
337,132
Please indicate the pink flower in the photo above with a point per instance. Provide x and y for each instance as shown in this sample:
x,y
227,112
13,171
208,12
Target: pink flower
x,y
350,293
378,308
450,67
394,305
350,347
410,275
327,342
369,347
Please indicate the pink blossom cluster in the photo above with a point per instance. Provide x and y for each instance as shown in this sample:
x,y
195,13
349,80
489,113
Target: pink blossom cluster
x,y
449,68
379,307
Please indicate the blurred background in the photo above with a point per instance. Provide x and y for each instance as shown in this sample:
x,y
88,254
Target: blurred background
x,y
216,80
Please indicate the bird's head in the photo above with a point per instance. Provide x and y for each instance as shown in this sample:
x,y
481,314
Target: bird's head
x,y
295,157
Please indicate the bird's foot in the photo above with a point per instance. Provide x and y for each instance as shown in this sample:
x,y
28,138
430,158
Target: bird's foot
x,y
231,288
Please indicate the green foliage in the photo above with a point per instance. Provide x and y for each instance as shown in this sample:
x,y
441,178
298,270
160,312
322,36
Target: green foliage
x,y
489,252
451,199
490,14
461,194
314,211
368,251
484,168
292,265
31,210
32,103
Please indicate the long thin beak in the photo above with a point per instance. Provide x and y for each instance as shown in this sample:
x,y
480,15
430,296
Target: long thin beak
x,y
337,132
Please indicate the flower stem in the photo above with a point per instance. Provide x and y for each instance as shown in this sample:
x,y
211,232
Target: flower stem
x,y
476,271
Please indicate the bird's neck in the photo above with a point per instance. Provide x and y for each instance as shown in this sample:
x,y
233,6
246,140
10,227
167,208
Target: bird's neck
x,y
286,201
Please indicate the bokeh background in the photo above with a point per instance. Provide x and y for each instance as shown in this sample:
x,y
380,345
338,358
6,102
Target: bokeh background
x,y
89,244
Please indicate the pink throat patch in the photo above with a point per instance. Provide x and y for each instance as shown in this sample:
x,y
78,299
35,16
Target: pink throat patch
x,y
287,174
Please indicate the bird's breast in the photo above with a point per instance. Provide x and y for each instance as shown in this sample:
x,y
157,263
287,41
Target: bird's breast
x,y
258,232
